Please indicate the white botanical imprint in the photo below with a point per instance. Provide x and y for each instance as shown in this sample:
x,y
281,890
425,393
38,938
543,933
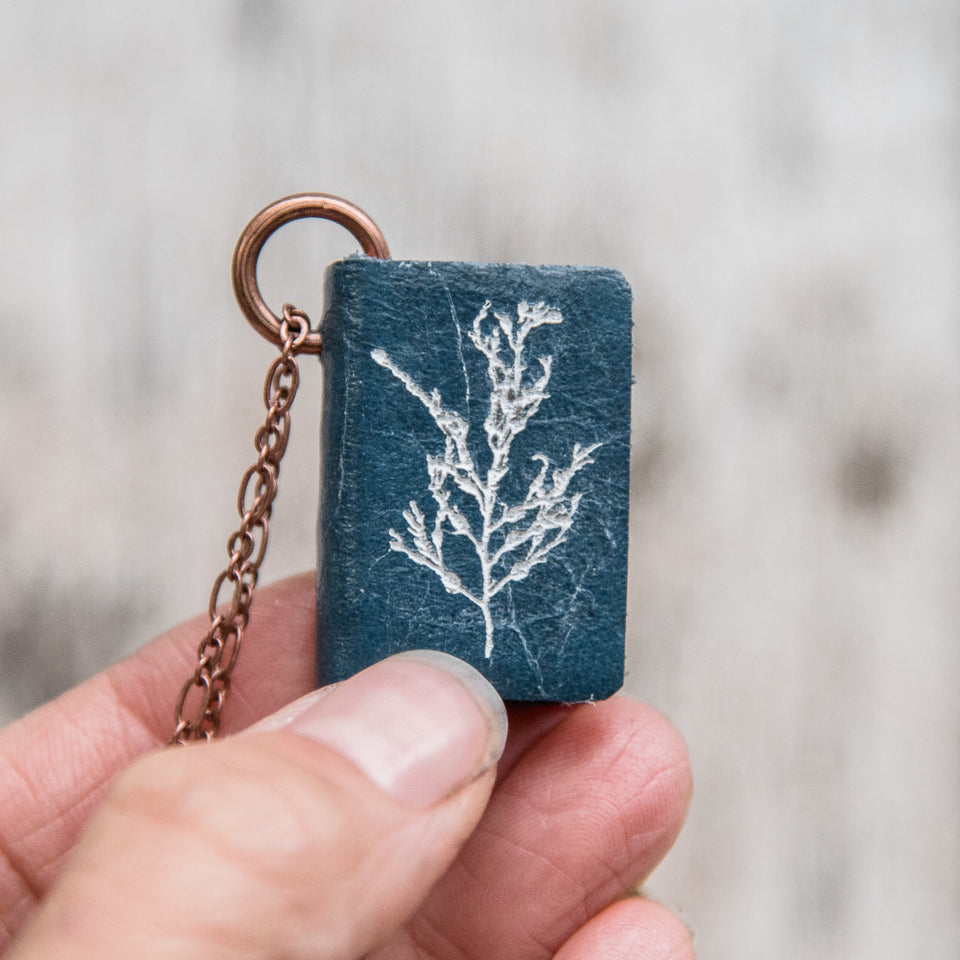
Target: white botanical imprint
x,y
511,539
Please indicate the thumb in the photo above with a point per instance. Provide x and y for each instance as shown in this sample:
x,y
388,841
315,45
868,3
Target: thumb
x,y
315,833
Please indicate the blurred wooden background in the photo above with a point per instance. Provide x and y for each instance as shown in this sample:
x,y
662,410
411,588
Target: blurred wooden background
x,y
779,180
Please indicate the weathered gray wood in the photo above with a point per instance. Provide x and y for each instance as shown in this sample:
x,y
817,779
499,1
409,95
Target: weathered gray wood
x,y
779,182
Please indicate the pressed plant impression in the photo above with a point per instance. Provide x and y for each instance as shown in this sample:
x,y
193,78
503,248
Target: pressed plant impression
x,y
508,539
475,467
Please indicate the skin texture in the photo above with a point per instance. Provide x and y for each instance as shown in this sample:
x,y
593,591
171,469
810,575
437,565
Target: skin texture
x,y
274,842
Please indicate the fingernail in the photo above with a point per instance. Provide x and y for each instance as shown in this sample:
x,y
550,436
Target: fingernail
x,y
420,724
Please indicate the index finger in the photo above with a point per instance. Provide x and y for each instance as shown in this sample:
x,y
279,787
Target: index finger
x,y
56,763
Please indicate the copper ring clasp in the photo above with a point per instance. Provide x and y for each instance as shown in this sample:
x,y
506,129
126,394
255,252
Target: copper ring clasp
x,y
301,205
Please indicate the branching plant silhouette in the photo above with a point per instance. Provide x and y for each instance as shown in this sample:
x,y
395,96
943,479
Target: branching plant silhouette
x,y
509,539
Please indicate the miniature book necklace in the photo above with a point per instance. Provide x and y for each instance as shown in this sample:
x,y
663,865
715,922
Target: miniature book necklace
x,y
475,449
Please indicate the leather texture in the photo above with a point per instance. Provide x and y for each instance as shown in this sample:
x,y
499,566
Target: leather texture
x,y
499,537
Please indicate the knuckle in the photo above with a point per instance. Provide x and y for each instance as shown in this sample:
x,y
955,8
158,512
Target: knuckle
x,y
673,939
253,812
677,939
659,933
679,943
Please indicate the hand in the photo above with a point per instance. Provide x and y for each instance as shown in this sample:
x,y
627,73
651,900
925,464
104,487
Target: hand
x,y
363,820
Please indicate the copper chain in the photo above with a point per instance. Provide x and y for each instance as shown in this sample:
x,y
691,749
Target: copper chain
x,y
201,698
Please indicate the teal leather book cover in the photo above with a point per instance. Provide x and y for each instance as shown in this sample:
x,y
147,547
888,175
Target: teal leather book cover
x,y
475,471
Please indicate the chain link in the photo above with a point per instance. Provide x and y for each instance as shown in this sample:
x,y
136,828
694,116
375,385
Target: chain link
x,y
201,697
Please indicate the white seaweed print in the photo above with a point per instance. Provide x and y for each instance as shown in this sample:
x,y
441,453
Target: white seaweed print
x,y
509,540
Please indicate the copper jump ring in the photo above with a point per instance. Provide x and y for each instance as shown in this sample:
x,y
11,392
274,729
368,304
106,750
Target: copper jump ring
x,y
300,206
